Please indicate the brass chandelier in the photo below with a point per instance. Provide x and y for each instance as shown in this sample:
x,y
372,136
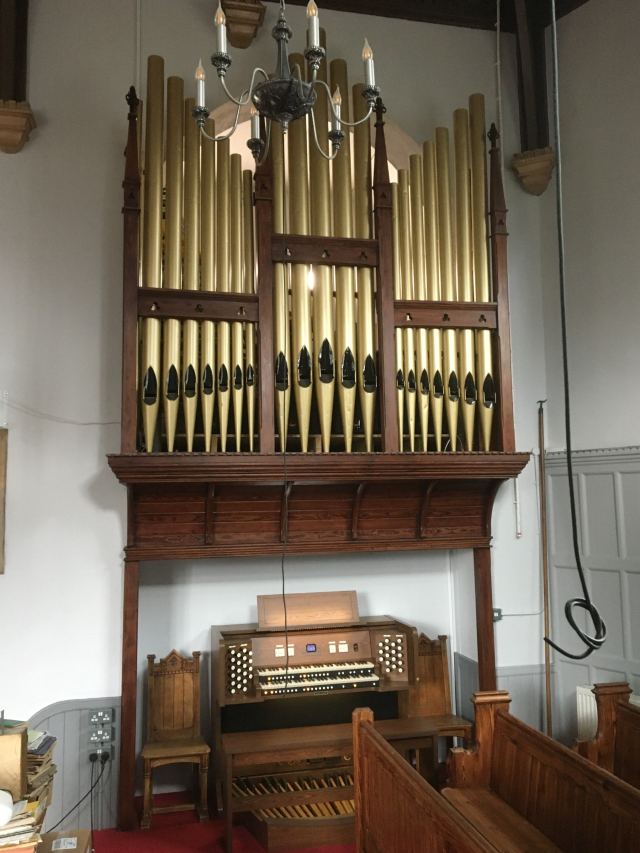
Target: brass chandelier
x,y
283,96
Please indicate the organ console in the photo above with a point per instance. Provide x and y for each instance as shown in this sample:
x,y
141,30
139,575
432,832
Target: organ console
x,y
283,692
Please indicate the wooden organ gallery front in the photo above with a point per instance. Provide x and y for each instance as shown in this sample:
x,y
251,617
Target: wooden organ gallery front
x,y
388,384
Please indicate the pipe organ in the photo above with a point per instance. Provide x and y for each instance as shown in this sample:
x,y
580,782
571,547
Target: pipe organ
x,y
200,384
360,324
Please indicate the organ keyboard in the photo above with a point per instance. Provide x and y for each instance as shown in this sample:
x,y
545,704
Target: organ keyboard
x,y
377,654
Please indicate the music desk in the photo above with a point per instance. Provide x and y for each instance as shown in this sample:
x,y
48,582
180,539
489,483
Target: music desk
x,y
306,748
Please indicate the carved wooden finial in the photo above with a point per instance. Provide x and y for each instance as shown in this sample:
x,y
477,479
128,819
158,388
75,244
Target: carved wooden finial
x,y
494,136
132,100
381,167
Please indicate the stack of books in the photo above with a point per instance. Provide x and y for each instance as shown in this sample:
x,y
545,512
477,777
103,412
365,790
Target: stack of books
x,y
23,830
40,766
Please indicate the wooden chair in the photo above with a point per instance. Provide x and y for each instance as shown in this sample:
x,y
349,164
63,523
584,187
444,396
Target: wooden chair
x,y
173,728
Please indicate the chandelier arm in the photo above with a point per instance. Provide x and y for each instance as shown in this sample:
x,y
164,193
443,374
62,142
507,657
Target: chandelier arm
x,y
223,135
318,146
242,101
339,118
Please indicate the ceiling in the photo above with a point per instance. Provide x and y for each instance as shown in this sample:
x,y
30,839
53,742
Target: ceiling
x,y
479,14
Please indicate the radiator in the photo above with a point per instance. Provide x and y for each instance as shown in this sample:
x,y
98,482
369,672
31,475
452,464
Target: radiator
x,y
587,712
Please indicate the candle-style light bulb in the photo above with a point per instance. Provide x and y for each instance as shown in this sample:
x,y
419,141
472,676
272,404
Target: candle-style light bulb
x,y
221,30
200,78
255,123
367,58
313,24
336,100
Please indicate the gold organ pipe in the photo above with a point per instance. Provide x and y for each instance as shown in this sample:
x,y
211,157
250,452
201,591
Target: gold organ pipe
x,y
222,285
237,286
281,336
420,290
345,284
433,288
397,294
300,292
152,244
447,283
249,287
486,384
323,333
207,282
172,254
191,280
408,292
466,337
367,372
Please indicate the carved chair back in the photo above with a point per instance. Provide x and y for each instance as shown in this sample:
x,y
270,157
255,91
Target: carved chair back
x,y
173,697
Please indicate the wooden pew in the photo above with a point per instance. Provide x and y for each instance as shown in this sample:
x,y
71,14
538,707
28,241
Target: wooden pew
x,y
524,791
397,810
616,745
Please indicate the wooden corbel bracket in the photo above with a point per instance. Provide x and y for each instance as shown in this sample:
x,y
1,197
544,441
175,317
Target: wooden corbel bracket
x,y
284,512
355,512
424,508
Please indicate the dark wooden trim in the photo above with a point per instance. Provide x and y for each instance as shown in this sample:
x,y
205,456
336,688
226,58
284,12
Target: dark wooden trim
x,y
532,74
382,217
197,305
412,314
484,619
263,200
14,19
163,552
313,467
329,251
476,14
127,818
502,341
130,255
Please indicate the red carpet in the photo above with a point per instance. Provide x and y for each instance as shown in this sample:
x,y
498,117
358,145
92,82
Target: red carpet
x,y
182,833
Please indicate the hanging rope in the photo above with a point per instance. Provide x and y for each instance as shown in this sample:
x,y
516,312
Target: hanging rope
x,y
594,641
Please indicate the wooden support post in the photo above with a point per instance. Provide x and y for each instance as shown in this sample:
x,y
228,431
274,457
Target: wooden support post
x,y
359,717
264,230
484,618
127,818
384,289
131,245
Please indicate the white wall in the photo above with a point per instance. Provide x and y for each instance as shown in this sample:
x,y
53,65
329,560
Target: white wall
x,y
599,76
60,333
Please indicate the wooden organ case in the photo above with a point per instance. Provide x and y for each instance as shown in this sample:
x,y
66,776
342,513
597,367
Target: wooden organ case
x,y
388,384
